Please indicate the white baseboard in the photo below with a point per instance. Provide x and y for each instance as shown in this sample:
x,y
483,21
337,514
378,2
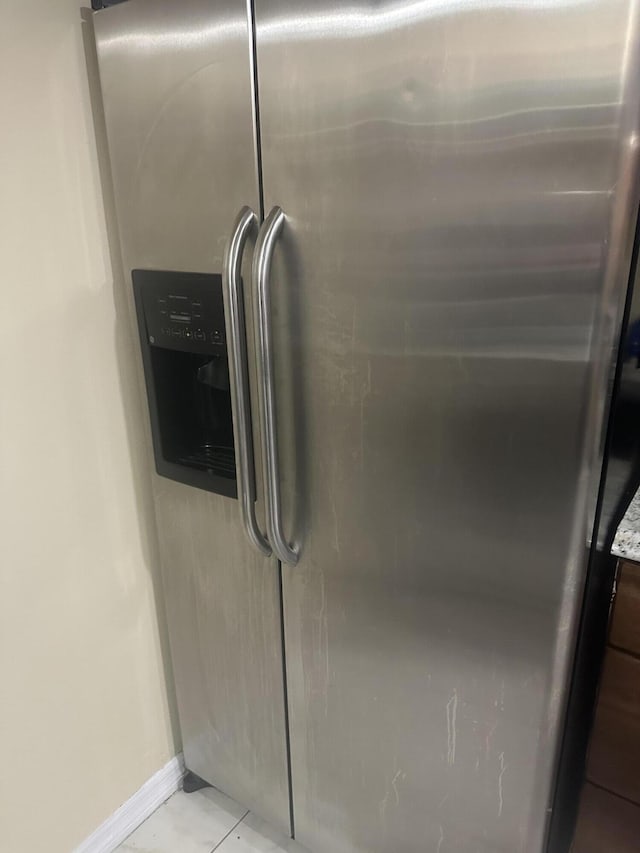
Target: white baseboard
x,y
137,809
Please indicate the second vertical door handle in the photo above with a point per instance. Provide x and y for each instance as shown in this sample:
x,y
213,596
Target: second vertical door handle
x,y
267,238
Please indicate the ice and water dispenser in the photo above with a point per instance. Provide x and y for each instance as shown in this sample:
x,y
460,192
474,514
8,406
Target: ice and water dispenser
x,y
182,332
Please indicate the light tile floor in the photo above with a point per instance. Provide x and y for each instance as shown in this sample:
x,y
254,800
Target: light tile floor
x,y
202,822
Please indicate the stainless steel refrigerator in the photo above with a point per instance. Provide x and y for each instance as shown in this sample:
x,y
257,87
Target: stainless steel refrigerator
x,y
419,217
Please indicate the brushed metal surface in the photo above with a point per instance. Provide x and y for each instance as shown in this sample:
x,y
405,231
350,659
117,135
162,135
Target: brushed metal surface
x,y
452,175
177,88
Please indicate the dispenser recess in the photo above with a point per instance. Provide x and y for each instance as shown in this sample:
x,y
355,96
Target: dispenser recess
x,y
182,335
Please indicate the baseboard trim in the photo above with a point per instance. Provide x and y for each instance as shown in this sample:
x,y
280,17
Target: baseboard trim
x,y
137,809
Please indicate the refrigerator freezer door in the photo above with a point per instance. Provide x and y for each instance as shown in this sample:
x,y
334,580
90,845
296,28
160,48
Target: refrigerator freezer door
x,y
453,179
177,89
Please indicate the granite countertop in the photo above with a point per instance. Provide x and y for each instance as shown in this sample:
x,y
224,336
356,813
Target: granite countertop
x,y
627,541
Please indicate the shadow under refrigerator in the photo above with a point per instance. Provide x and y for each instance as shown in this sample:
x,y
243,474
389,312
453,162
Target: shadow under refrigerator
x,y
378,254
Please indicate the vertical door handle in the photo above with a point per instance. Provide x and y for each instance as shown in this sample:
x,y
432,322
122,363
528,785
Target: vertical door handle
x,y
265,245
239,375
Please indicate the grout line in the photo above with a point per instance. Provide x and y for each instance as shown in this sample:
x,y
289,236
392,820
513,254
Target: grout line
x,y
233,828
622,650
613,793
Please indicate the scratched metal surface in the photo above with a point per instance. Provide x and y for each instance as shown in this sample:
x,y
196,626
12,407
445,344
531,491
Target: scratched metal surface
x,y
178,102
455,178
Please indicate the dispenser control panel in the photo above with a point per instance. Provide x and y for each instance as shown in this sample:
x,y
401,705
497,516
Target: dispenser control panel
x,y
182,311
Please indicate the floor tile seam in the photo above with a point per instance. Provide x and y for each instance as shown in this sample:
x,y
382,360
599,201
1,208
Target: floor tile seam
x,y
233,828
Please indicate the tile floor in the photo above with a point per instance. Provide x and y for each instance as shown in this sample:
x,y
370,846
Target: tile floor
x,y
203,822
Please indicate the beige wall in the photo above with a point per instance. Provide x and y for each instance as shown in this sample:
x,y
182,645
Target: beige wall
x,y
84,718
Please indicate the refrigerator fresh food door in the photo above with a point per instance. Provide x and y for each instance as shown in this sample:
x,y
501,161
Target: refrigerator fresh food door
x,y
456,183
177,88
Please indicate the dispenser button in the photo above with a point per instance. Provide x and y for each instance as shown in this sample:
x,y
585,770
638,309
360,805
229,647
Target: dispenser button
x,y
187,333
216,337
177,333
199,335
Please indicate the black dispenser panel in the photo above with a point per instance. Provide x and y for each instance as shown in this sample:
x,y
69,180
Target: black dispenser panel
x,y
182,334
